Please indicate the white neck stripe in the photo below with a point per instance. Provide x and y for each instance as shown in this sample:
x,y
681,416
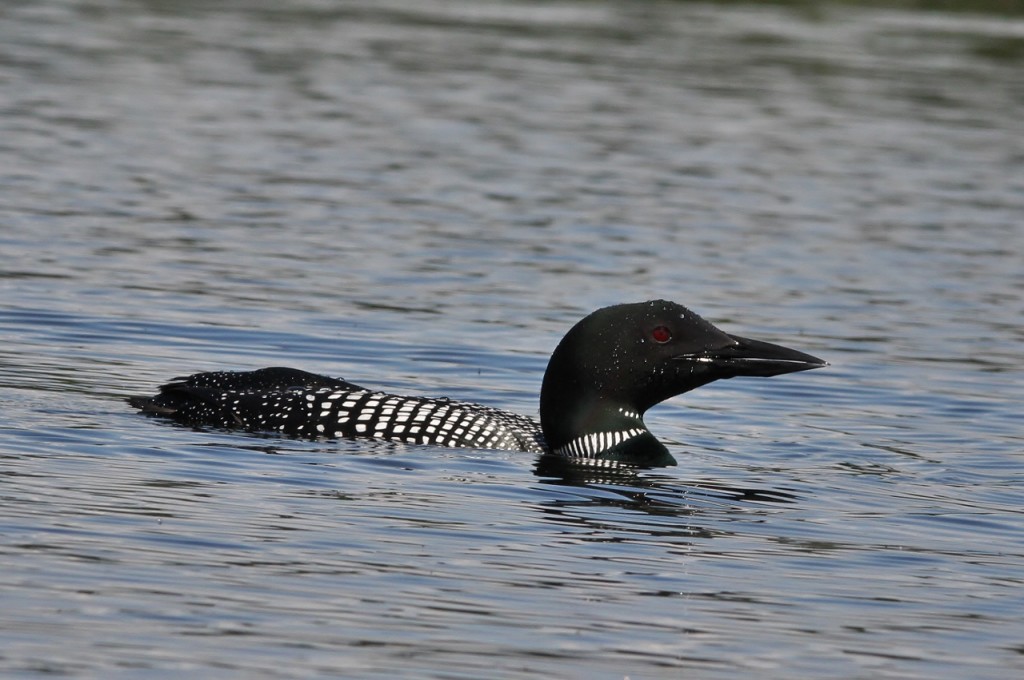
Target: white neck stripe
x,y
589,445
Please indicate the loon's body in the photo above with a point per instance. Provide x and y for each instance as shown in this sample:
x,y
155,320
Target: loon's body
x,y
605,373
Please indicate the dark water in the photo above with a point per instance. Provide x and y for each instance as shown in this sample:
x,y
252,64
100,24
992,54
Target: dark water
x,y
423,197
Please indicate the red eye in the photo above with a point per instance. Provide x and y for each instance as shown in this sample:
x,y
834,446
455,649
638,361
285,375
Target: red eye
x,y
661,334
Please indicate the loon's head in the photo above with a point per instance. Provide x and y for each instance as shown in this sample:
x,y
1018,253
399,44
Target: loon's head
x,y
619,361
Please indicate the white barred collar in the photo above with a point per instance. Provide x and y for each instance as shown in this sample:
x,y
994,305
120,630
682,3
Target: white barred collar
x,y
589,445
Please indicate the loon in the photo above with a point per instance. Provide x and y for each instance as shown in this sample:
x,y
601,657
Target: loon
x,y
602,377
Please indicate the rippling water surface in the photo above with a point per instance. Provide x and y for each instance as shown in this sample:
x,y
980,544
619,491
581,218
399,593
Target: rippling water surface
x,y
423,197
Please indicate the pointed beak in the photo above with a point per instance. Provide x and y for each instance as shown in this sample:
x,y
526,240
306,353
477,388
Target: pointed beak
x,y
754,358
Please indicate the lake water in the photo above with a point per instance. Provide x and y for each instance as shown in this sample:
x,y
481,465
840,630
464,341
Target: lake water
x,y
423,197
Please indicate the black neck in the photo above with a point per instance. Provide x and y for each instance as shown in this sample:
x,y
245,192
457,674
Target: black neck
x,y
579,424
